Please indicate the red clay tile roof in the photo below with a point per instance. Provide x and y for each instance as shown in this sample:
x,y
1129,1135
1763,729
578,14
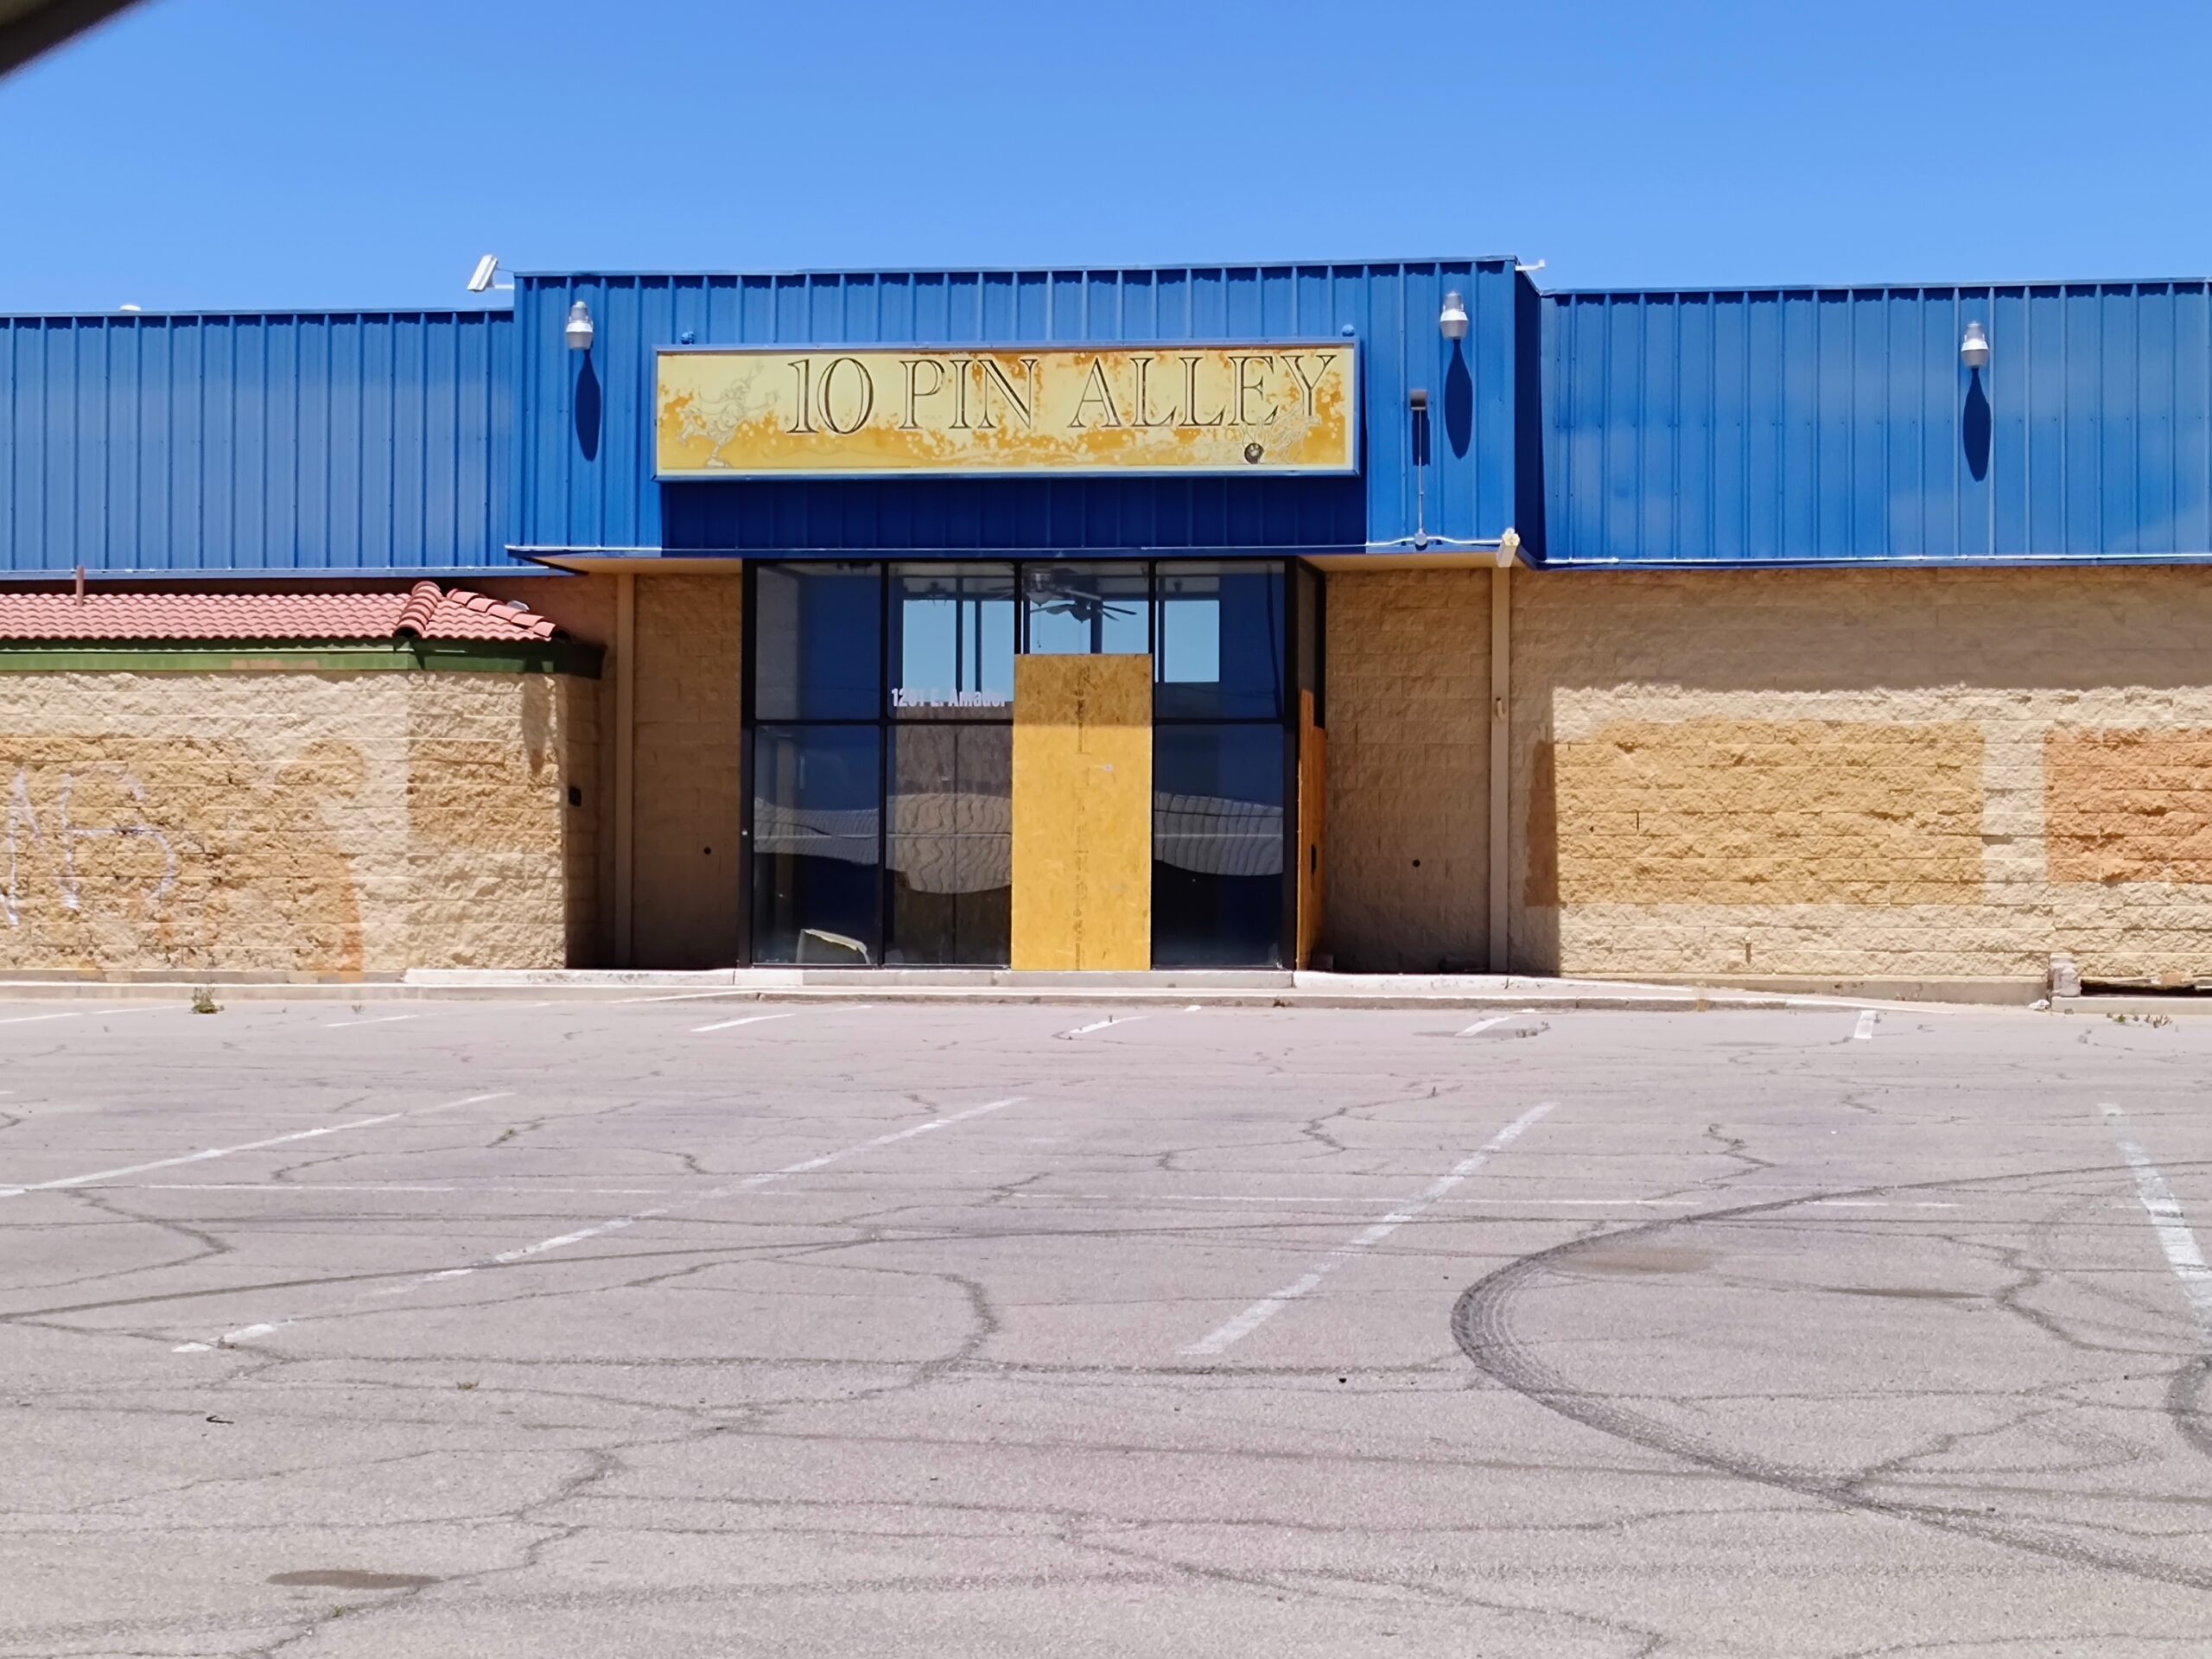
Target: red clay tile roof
x,y
427,613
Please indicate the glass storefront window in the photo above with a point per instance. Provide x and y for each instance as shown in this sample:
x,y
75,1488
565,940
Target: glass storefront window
x,y
1309,640
1221,642
951,843
817,810
1086,610
818,633
882,721
1217,827
1190,631
952,639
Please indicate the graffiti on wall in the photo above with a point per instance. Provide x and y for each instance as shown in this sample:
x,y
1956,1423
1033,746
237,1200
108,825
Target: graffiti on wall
x,y
121,853
68,832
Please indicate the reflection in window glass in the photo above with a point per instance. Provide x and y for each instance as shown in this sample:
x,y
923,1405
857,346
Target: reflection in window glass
x,y
1309,638
1079,610
1217,846
816,882
951,844
952,628
818,635
1190,637
1222,641
864,854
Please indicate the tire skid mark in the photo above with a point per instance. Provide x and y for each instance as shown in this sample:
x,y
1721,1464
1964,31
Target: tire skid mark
x,y
2186,1405
1482,1326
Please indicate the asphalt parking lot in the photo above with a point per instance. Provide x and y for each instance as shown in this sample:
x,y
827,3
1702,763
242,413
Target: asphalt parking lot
x,y
710,1327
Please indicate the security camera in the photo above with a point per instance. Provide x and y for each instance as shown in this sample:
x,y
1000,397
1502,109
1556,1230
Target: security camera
x,y
487,268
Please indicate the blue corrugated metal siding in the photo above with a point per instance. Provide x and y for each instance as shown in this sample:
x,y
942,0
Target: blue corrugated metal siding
x,y
1728,428
587,467
1839,425
295,442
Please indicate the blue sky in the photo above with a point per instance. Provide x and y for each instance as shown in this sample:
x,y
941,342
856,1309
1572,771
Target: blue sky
x,y
247,153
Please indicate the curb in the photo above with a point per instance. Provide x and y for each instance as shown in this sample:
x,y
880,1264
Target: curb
x,y
1531,996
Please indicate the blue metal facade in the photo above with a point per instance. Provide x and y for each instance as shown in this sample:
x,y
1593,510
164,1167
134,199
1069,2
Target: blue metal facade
x,y
1730,428
1839,426
257,444
587,467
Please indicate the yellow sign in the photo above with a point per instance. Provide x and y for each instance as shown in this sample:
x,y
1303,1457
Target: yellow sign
x,y
772,412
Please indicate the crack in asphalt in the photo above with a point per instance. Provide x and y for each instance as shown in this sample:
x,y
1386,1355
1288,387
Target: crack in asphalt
x,y
923,1330
1483,1328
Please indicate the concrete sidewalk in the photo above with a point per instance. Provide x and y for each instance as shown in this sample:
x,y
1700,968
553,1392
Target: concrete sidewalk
x,y
1217,989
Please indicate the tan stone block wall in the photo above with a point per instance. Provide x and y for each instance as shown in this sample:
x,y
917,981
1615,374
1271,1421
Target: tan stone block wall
x,y
583,608
488,822
2129,806
688,909
687,892
1718,811
1408,847
323,825
1879,774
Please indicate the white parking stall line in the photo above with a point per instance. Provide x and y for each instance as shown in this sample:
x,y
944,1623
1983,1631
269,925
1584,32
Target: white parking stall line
x,y
1864,1031
2168,1220
1100,1025
310,1189
617,1224
77,1013
728,993
98,1177
252,1331
749,1020
470,1010
745,1185
1267,1306
1139,1200
1481,1026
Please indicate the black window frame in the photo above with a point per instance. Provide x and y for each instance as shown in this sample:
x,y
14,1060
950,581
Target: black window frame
x,y
887,721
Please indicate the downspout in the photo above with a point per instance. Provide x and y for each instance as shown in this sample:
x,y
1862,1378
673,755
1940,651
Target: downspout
x,y
626,731
1501,747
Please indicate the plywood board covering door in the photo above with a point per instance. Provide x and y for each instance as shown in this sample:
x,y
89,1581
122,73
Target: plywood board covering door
x,y
1083,813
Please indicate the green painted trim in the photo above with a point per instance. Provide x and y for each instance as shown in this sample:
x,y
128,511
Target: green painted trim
x,y
436,657
490,656
200,659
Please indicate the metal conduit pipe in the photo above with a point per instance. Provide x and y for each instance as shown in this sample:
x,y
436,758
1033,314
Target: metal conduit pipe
x,y
1501,746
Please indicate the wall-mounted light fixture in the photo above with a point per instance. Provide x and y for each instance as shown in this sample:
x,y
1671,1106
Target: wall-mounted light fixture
x,y
579,331
1417,406
1452,320
1973,350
